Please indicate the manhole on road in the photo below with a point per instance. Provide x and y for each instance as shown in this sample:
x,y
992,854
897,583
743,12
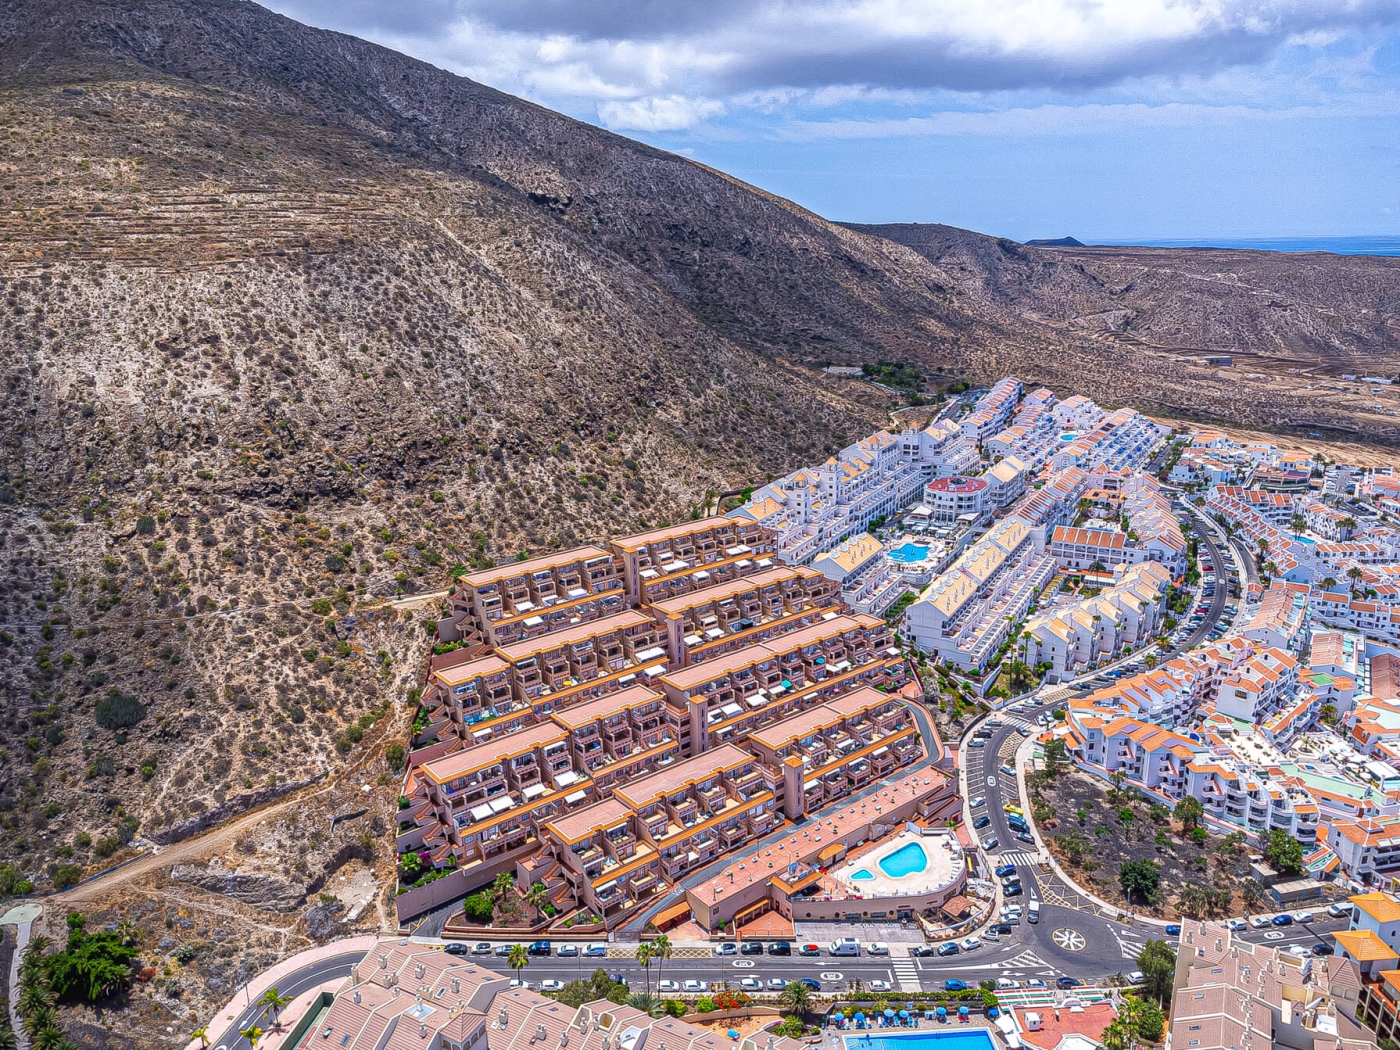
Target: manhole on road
x,y
831,975
1069,940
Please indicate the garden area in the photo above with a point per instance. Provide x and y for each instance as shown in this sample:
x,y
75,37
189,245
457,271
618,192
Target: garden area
x,y
1165,861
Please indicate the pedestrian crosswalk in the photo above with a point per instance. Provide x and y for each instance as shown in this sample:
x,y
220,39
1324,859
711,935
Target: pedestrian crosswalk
x,y
1017,857
906,972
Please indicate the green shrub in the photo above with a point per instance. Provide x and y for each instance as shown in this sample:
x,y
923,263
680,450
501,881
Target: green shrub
x,y
145,525
116,710
12,881
478,907
704,1005
395,755
66,875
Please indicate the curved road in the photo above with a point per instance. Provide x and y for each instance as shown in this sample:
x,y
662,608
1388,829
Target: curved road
x,y
302,980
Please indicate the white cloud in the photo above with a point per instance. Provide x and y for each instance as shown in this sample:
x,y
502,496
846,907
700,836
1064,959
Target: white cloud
x,y
668,113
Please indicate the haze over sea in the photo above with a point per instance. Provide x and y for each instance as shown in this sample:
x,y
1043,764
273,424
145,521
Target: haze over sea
x,y
1335,245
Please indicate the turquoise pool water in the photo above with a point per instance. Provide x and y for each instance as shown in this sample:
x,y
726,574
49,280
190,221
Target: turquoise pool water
x,y
862,875
1305,539
956,1039
909,552
1068,437
904,861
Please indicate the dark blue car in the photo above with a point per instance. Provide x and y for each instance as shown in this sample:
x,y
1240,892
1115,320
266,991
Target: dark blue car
x,y
1173,928
812,983
1283,920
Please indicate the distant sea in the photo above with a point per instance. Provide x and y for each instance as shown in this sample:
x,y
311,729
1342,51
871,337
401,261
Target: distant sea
x,y
1335,245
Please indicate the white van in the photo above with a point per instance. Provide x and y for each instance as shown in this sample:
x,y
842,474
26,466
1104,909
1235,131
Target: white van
x,y
1033,914
845,946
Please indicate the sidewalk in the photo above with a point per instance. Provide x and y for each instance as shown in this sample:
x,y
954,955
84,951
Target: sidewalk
x,y
280,1036
253,990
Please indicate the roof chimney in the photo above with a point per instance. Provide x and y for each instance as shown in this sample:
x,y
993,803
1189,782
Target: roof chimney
x,y
422,1030
357,997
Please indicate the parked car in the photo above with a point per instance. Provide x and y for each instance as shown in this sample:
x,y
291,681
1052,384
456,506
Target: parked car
x,y
952,984
668,985
948,948
520,983
751,948
1014,890
969,944
977,802
1321,948
1136,977
617,978
812,983
1003,928
878,986
777,984
1007,769
751,984
1302,916
1068,982
990,934
457,948
503,950
780,948
1283,920
1025,836
810,949
727,948
990,843
540,948
981,822
878,948
1173,928
1237,924
1036,982
977,742
1011,807
1004,870
922,951
1298,951
551,985
1339,911
1006,984
595,950
693,985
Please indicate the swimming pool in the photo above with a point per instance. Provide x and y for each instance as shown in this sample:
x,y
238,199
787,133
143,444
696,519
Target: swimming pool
x,y
864,875
909,552
1304,539
956,1039
907,860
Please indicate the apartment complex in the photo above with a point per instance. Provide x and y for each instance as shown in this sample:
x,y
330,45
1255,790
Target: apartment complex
x,y
405,996
1078,635
639,706
1230,994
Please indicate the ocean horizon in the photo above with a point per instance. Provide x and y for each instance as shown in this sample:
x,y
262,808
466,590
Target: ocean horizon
x,y
1386,245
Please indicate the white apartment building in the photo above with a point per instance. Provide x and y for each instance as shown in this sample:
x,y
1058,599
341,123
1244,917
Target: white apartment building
x,y
1072,638
968,611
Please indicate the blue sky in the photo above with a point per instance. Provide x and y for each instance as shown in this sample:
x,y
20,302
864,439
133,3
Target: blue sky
x,y
1105,119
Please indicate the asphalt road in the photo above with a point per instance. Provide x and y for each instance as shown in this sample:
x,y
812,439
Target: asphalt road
x,y
302,980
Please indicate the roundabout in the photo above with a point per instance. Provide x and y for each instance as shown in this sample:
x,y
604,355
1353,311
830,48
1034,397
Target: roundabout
x,y
1068,939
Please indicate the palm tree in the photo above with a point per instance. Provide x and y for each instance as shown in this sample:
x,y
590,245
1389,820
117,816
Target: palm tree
x,y
274,1000
644,961
796,996
643,1001
660,951
51,1038
1354,574
1328,582
37,1020
35,996
252,1033
202,1034
7,1036
519,959
537,896
1297,523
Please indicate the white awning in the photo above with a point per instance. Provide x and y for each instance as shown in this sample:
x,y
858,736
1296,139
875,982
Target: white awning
x,y
534,791
653,653
880,750
692,639
648,574
481,812
500,805
521,607
652,672
765,563
730,710
692,856
756,701
533,621
734,552
742,563
566,778
575,797
810,784
703,574
577,592
481,734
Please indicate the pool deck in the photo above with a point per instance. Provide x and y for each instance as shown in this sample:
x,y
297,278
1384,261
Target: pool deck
x,y
942,868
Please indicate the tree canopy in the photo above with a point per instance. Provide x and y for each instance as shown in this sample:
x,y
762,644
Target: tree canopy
x,y
1284,853
1139,878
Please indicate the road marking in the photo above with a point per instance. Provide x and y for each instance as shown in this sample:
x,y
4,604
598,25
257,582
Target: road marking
x,y
991,782
1069,939
831,975
743,964
1273,935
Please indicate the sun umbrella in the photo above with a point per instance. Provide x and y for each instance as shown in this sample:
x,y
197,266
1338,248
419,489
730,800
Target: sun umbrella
x,y
962,1011
838,1016
889,1012
942,1011
860,1016
904,1014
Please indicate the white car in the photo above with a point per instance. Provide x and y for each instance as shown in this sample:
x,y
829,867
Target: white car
x,y
879,986
1299,951
977,803
1005,984
596,950
1237,925
1339,911
1260,922
751,984
727,948
969,944
878,948
518,983
777,984
668,985
1302,916
551,985
696,986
